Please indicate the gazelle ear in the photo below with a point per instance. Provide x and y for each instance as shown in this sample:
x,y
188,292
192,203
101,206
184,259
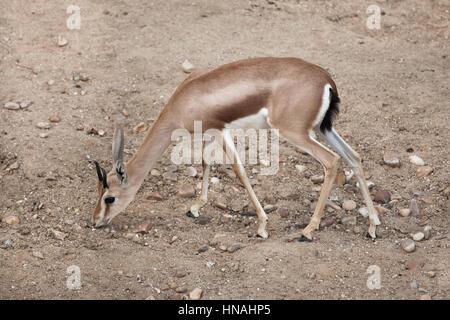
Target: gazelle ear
x,y
117,153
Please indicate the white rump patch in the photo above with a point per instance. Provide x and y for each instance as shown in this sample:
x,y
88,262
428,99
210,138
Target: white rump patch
x,y
325,105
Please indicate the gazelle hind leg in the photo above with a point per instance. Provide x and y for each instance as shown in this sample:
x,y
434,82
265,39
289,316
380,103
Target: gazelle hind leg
x,y
329,161
201,201
354,161
232,153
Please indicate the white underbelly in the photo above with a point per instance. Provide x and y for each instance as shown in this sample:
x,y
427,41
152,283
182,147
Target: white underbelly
x,y
255,121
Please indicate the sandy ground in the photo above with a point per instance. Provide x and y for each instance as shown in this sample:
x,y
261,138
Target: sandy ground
x,y
394,89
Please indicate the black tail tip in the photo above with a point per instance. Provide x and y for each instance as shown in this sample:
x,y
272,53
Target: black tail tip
x,y
332,112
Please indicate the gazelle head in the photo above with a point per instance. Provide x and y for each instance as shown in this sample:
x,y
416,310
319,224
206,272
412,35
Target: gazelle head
x,y
113,191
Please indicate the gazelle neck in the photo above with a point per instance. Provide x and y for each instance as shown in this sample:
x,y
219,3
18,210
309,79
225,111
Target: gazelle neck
x,y
155,143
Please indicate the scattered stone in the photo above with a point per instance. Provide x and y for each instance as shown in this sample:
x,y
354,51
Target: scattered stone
x,y
125,112
221,205
328,221
25,231
419,236
364,211
155,196
349,221
180,274
202,220
191,172
226,218
101,133
173,285
414,285
416,160
427,232
382,196
234,247
349,205
210,264
408,245
12,106
186,191
404,212
54,118
300,168
9,243
316,179
38,254
140,127
174,238
25,104
414,207
391,160
11,220
170,176
430,274
412,264
424,171
203,249
58,235
14,166
380,209
172,168
283,212
214,180
181,290
62,41
84,77
155,172
43,125
143,227
447,191
187,66
44,135
196,294
425,297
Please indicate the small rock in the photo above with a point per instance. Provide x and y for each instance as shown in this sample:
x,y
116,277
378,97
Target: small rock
x,y
54,118
143,227
170,176
58,235
11,220
316,179
172,168
187,66
125,112
203,249
84,77
210,264
349,205
180,274
408,245
430,274
155,172
234,247
186,191
101,133
196,294
382,196
226,217
220,204
43,125
202,220
214,180
380,209
427,232
424,171
340,178
412,264
349,221
173,285
419,236
328,221
283,212
38,254
25,104
425,297
191,172
44,135
391,160
404,212
155,196
12,106
414,207
416,160
141,127
181,290
414,285
300,168
62,41
9,243
14,166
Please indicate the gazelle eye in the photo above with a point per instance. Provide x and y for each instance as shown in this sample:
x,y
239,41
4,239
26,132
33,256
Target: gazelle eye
x,y
109,200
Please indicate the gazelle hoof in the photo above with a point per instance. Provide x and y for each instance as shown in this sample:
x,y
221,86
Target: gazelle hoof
x,y
304,239
263,234
371,234
191,215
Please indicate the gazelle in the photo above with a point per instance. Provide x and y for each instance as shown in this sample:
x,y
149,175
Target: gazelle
x,y
288,94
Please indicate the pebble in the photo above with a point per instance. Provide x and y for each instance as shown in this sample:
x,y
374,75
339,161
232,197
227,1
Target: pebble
x,y
380,209
155,196
125,112
408,245
414,285
38,254
300,168
191,172
43,125
155,172
9,243
202,249
202,220
101,133
416,160
180,274
349,221
44,135
382,196
196,294
170,176
58,235
62,41
11,220
25,104
283,212
54,118
412,264
316,179
221,205
143,227
419,236
12,106
404,212
140,127
328,221
364,212
214,180
425,297
84,77
187,66
424,171
226,217
210,264
186,191
414,207
172,168
391,160
427,232
234,247
349,205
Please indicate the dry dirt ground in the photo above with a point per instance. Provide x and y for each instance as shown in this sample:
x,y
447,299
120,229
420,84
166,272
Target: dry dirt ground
x,y
394,90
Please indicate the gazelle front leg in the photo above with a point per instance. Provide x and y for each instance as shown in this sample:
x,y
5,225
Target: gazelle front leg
x,y
201,201
231,151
